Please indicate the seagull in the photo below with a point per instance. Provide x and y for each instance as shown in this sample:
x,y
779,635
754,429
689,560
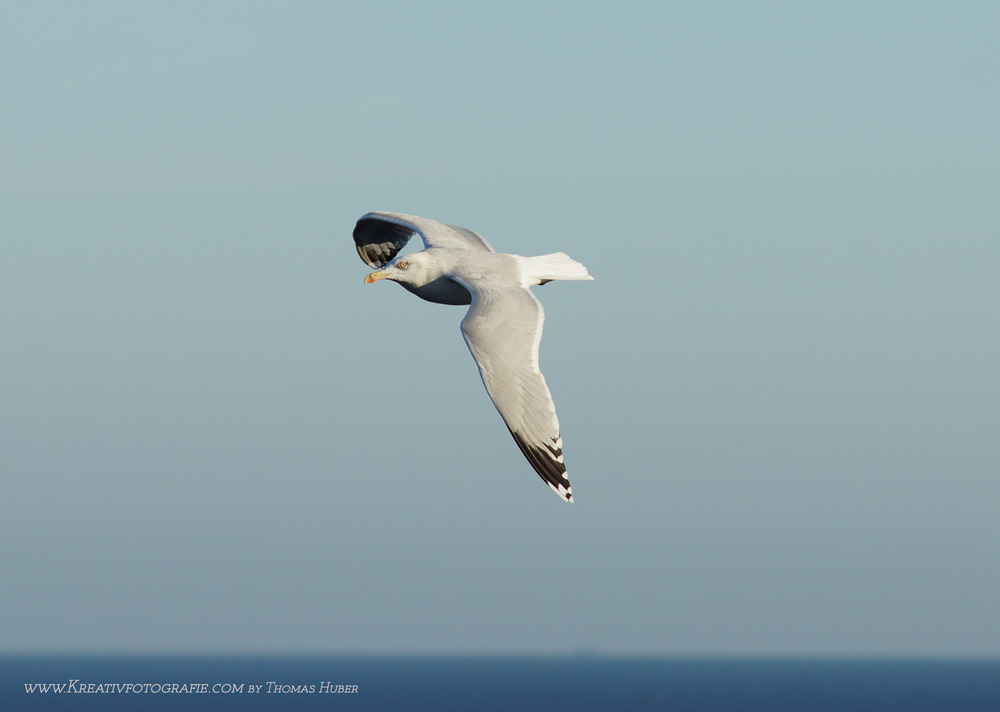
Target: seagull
x,y
502,327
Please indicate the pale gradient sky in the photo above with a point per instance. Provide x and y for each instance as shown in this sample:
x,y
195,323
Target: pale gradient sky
x,y
779,398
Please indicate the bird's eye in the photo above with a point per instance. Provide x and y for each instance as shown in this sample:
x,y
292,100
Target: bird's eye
x,y
402,264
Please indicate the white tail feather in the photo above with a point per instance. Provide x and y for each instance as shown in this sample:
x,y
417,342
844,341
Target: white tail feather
x,y
545,268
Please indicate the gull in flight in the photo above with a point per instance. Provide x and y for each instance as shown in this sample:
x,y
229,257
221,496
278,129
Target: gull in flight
x,y
502,327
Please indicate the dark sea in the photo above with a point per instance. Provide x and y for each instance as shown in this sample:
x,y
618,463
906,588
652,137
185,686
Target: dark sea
x,y
485,684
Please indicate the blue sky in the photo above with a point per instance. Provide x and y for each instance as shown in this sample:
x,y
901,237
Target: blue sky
x,y
778,397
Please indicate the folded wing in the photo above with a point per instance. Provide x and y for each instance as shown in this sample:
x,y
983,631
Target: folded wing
x,y
379,236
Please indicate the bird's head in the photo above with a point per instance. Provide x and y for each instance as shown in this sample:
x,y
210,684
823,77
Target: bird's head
x,y
414,270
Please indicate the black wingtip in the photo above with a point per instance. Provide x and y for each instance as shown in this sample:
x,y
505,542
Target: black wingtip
x,y
379,241
547,461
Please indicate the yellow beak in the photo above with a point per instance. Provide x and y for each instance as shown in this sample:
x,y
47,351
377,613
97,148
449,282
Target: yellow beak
x,y
374,276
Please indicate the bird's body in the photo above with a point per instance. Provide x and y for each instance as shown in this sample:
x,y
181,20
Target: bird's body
x,y
503,326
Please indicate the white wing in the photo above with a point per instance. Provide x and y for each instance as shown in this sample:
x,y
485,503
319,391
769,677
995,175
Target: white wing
x,y
503,329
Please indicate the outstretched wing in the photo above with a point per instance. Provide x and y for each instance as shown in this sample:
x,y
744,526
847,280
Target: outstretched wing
x,y
380,236
503,329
